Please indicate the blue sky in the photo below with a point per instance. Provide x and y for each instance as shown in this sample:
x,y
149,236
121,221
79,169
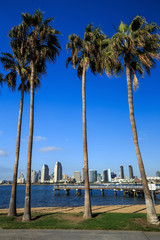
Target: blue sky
x,y
58,107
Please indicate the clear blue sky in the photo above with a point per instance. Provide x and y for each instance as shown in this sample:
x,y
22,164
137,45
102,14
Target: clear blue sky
x,y
58,107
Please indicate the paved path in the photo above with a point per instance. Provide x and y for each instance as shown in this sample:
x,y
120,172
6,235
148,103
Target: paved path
x,y
76,235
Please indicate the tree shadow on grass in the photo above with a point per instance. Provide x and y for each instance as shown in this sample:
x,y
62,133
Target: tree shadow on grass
x,y
94,215
41,215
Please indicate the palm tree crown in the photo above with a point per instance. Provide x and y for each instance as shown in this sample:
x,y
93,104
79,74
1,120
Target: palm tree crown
x,y
87,50
42,42
137,45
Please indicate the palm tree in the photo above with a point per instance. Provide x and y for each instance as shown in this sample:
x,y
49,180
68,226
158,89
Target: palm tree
x,y
86,53
43,46
16,64
138,46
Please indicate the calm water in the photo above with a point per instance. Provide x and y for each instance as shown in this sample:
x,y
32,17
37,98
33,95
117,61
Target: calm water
x,y
43,196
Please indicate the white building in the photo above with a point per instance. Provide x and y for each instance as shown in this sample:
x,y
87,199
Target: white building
x,y
44,173
34,176
57,172
21,180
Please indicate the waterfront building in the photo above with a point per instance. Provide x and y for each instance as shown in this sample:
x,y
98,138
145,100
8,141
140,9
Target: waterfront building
x,y
106,175
92,176
57,172
34,176
77,176
158,174
121,172
21,180
109,174
113,175
44,173
21,175
99,178
65,177
82,179
39,176
51,176
131,172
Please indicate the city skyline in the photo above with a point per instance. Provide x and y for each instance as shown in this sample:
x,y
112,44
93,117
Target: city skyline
x,y
57,175
58,107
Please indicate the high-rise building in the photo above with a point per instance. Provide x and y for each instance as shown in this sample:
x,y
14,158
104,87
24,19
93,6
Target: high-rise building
x,y
77,176
99,178
158,174
39,176
121,172
34,176
65,177
82,175
113,175
109,174
106,175
21,178
21,175
92,175
45,173
131,172
57,172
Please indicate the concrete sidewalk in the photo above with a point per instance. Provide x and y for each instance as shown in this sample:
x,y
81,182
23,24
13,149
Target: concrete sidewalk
x,y
40,234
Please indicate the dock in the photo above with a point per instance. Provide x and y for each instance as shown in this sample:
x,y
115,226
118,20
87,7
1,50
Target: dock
x,y
136,190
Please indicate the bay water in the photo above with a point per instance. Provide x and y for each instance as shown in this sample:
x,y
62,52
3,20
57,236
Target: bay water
x,y
43,196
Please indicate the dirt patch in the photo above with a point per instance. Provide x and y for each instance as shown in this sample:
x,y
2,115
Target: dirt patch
x,y
142,222
73,218
145,224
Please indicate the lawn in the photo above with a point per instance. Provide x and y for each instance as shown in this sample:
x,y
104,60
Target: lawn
x,y
101,221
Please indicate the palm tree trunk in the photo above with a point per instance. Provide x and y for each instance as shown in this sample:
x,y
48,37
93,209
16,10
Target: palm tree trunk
x,y
12,205
87,202
27,206
151,214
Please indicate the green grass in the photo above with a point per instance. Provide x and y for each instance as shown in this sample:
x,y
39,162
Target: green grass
x,y
101,221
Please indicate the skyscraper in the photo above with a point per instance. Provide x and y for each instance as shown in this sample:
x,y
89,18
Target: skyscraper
x,y
158,174
45,173
106,176
113,175
92,175
39,176
130,172
82,175
34,176
77,176
57,172
109,174
121,172
21,175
